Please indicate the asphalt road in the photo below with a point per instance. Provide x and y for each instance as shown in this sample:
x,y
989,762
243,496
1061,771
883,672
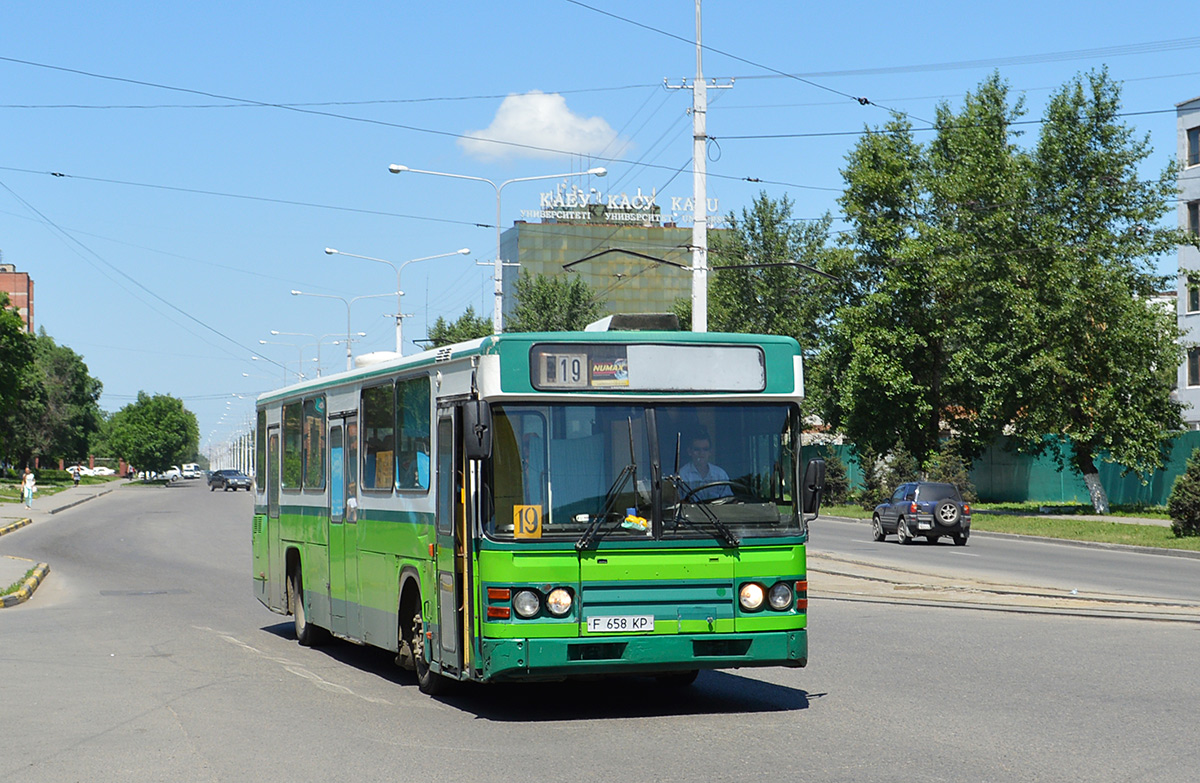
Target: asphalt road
x,y
144,657
1028,561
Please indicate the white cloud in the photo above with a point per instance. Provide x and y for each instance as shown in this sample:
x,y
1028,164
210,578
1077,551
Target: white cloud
x,y
545,127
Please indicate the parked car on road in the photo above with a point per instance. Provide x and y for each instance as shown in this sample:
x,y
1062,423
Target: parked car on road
x,y
172,473
227,479
923,508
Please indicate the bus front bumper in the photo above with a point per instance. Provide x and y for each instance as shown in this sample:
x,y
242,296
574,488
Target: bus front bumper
x,y
527,659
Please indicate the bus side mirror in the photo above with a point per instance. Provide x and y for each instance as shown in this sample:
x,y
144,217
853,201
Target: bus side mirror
x,y
477,429
813,486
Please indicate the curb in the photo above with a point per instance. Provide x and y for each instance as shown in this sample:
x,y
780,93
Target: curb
x,y
81,500
1097,614
20,523
26,590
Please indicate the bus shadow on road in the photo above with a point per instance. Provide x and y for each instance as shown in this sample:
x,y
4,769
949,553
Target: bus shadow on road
x,y
713,693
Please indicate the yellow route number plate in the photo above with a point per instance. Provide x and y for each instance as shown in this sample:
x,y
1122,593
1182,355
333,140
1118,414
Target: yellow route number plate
x,y
527,521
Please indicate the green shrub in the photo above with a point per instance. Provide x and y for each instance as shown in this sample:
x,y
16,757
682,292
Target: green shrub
x,y
948,466
1184,502
899,467
873,490
50,475
837,481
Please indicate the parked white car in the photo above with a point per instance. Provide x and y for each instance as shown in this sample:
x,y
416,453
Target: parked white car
x,y
172,473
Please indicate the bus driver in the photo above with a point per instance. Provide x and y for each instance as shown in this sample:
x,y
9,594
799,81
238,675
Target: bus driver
x,y
700,472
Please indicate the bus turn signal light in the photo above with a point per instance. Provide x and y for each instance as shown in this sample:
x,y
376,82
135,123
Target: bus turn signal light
x,y
499,613
802,595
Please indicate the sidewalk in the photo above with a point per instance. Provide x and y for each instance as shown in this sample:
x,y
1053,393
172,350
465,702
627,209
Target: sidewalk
x,y
14,516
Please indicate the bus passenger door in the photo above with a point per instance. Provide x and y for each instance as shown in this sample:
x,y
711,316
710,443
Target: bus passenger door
x,y
447,597
345,610
276,583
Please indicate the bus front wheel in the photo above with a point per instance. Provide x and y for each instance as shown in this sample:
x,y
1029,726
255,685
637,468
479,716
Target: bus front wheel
x,y
307,634
678,679
428,681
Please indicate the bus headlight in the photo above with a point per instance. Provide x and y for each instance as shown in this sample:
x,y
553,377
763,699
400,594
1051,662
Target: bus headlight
x,y
780,596
527,603
751,596
559,601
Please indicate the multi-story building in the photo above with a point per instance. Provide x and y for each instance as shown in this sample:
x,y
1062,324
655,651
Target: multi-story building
x,y
1187,121
19,287
634,257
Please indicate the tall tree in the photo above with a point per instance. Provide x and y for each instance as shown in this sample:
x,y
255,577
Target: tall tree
x,y
980,288
877,355
1101,366
468,326
59,410
155,432
995,289
771,295
16,365
553,303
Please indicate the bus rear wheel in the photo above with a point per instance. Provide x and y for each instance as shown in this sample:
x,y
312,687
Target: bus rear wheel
x,y
428,681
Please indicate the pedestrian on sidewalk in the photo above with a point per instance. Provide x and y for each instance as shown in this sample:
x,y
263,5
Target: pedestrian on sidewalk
x,y
28,487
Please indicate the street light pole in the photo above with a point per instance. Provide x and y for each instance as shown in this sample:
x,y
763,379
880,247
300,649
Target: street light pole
x,y
498,308
299,356
400,315
347,302
319,341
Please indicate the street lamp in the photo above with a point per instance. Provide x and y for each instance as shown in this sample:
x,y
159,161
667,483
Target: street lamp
x,y
347,302
319,341
498,310
299,356
277,364
399,292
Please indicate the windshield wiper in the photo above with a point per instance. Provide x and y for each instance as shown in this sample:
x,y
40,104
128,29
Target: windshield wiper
x,y
592,534
682,490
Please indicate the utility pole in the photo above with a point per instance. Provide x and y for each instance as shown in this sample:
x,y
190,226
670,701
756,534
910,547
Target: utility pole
x,y
699,186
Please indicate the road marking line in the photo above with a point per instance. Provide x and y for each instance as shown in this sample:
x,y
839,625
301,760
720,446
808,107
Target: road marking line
x,y
295,668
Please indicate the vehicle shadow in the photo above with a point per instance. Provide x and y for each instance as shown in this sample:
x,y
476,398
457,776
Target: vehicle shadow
x,y
713,693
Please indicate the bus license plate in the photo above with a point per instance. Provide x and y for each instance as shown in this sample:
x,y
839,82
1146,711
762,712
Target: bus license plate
x,y
642,623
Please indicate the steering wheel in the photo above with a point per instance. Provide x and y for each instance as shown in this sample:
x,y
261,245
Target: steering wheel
x,y
737,492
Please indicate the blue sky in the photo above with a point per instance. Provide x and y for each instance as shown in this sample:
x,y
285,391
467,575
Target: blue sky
x,y
211,151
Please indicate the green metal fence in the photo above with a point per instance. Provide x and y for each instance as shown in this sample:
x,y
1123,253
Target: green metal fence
x,y
1003,475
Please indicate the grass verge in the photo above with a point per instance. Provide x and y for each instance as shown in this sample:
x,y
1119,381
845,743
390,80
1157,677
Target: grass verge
x,y
15,586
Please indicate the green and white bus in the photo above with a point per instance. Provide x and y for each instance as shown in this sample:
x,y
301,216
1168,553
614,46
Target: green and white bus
x,y
540,506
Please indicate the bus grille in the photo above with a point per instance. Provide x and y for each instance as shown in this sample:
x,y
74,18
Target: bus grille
x,y
708,601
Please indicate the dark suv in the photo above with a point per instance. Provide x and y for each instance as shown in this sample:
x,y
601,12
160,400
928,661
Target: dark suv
x,y
923,508
228,479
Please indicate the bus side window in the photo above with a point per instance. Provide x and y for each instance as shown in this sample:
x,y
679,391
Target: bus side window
x,y
379,435
413,428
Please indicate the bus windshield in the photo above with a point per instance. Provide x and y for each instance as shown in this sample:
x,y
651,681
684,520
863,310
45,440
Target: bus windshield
x,y
586,472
